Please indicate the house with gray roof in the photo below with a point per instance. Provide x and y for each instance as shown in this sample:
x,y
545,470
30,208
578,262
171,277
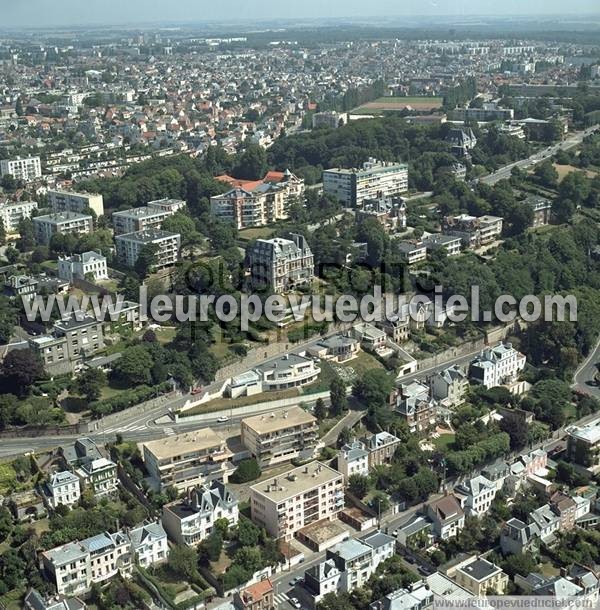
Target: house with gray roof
x,y
418,596
517,537
149,544
35,601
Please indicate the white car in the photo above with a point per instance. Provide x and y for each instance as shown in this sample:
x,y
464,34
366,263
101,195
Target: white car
x,y
295,602
223,419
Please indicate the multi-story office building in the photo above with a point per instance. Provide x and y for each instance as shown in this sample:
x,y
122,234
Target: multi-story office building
x,y
167,246
286,504
189,459
12,213
497,365
61,222
583,444
82,266
280,436
26,169
62,488
71,341
192,519
281,264
75,566
69,201
373,181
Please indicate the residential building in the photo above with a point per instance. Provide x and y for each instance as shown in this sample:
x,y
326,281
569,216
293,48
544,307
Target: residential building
x,y
412,252
286,504
329,120
396,326
488,112
146,218
149,544
481,577
381,447
415,533
75,566
517,537
166,245
191,520
415,405
542,210
374,180
459,171
258,596
72,223
353,458
547,521
337,348
371,338
35,601
452,245
449,386
583,444
321,579
26,169
354,560
81,451
69,201
188,459
26,505
497,366
462,141
447,517
100,475
281,264
476,495
383,547
71,342
288,371
418,596
12,213
566,508
280,436
390,212
62,488
474,231
88,265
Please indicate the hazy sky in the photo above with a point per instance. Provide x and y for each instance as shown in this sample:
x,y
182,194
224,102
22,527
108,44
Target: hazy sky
x,y
72,12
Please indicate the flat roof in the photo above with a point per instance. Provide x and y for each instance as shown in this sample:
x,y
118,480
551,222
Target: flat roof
x,y
58,217
179,444
279,420
590,433
296,481
480,569
147,236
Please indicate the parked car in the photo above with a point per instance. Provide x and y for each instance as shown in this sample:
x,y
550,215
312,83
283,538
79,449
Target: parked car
x,y
295,602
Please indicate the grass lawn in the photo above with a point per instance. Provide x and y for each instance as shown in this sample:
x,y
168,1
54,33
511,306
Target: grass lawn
x,y
13,599
8,478
416,102
443,442
362,363
165,335
255,233
565,170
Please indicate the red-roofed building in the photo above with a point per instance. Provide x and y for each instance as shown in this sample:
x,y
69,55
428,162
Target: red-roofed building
x,y
255,597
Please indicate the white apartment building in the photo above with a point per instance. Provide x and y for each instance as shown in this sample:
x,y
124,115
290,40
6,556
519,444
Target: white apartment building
x,y
75,566
286,504
100,475
12,213
374,180
476,495
281,436
149,544
497,365
80,266
258,207
62,488
281,264
353,458
70,201
128,247
61,222
185,460
288,371
192,519
26,169
146,218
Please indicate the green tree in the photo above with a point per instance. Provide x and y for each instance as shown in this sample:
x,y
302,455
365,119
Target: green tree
x,y
358,485
134,366
247,470
146,260
19,370
183,561
337,392
2,232
248,534
90,383
252,163
373,388
211,547
320,409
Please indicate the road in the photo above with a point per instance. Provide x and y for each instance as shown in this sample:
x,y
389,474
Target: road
x,y
504,172
583,379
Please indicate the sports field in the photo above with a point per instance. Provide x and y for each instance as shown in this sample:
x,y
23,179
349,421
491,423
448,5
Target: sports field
x,y
384,104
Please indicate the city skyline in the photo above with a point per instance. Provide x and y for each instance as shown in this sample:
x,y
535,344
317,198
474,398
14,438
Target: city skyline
x,y
65,13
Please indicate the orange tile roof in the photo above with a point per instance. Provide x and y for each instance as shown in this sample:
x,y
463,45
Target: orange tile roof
x,y
274,176
247,185
257,591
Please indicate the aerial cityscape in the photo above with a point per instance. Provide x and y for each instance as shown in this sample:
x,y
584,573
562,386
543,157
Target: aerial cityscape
x,y
299,306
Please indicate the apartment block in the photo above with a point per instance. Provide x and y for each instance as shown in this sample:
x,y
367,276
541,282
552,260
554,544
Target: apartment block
x,y
139,219
70,201
281,264
280,436
288,371
374,180
61,222
12,213
167,244
583,444
26,169
81,266
189,459
191,520
474,231
304,495
488,112
71,342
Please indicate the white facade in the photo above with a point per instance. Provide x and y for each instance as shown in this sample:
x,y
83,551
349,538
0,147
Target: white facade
x,y
100,475
63,488
63,222
129,247
26,169
79,266
149,544
353,458
13,212
496,366
476,495
69,201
